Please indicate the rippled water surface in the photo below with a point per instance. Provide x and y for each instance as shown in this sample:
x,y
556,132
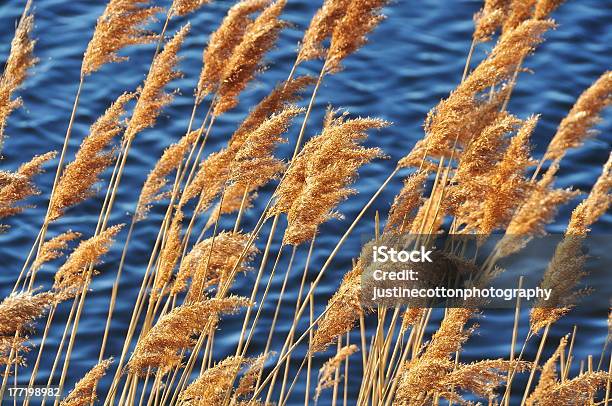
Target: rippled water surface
x,y
411,61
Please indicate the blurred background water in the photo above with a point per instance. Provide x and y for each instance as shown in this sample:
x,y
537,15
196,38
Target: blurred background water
x,y
411,61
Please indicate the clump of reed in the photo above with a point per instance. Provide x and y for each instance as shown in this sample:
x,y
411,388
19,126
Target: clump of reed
x,y
472,174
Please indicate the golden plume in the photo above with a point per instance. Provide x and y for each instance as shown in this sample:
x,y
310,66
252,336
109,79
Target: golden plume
x,y
17,186
574,128
489,19
328,370
508,185
254,165
208,267
544,8
119,26
519,12
53,248
223,42
20,59
405,203
342,311
184,7
84,392
210,388
17,314
577,391
154,185
328,171
235,197
248,382
595,205
209,180
349,34
160,347
246,58
152,97
169,256
548,376
79,177
72,274
412,316
321,28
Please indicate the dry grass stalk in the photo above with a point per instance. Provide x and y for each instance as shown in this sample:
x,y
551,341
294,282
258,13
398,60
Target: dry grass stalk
x,y
168,257
53,249
84,392
595,205
79,177
548,376
17,186
235,197
247,56
328,370
577,391
120,25
17,314
330,161
184,7
489,19
19,61
208,268
160,347
223,42
154,187
401,214
152,97
321,28
350,32
423,375
73,273
575,127
342,312
254,164
211,387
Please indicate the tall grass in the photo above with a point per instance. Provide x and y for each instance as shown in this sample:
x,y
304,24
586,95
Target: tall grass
x,y
473,173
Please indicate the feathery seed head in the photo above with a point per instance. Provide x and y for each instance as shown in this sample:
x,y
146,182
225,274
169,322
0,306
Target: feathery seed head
x,y
489,19
84,392
321,27
184,7
53,248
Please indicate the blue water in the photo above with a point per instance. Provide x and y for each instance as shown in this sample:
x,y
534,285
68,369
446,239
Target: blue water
x,y
412,60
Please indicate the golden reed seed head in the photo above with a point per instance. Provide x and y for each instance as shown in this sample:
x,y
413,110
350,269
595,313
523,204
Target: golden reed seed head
x,y
328,370
152,97
562,275
53,248
208,268
519,12
575,127
19,61
412,316
154,186
223,42
580,390
254,163
168,257
247,56
548,376
595,205
17,186
79,177
235,198
160,347
211,387
489,19
283,94
184,7
84,392
17,314
544,8
321,28
405,203
342,311
328,172
209,180
120,25
248,382
349,34
73,273
508,184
